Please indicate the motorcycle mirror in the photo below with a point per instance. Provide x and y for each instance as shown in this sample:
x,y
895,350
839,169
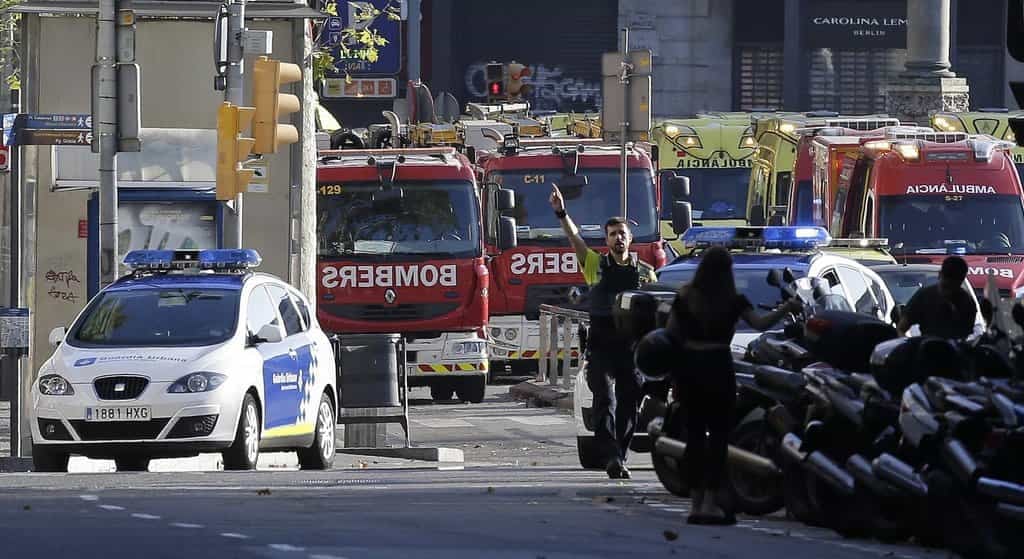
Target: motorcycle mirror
x,y
897,313
774,278
1018,314
787,275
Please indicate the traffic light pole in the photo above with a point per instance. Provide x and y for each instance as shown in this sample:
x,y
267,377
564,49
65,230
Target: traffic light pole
x,y
106,126
233,94
625,119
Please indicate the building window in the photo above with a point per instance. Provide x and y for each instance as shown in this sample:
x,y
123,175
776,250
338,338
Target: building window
x,y
851,81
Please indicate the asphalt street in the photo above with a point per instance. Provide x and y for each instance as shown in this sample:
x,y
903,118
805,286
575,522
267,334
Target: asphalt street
x,y
520,493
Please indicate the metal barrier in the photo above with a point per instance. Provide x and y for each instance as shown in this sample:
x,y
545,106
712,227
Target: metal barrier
x,y
551,343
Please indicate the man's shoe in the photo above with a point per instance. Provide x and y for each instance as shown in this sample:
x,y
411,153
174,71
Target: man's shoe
x,y
624,472
616,470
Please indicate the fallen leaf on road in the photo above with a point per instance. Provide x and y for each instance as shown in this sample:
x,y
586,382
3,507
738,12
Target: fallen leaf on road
x,y
263,492
670,535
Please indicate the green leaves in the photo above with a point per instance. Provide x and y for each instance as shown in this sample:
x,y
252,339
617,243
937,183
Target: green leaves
x,y
360,41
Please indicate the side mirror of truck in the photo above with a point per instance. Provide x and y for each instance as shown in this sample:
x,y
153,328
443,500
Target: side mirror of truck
x,y
678,186
507,238
57,336
787,275
505,199
387,198
682,217
572,182
778,216
774,278
756,218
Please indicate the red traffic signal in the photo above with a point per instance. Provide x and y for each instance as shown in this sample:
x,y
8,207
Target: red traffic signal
x,y
495,88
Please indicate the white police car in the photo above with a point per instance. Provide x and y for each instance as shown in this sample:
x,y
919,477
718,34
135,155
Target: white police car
x,y
192,352
755,251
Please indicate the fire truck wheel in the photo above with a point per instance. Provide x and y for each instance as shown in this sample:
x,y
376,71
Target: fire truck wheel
x,y
472,389
441,390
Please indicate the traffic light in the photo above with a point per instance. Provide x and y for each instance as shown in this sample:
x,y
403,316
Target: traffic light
x,y
495,74
233,149
267,78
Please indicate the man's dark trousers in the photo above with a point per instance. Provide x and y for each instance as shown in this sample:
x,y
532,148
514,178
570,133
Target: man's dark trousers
x,y
617,391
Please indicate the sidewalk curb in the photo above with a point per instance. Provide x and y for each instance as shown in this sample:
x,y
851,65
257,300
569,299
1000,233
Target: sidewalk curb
x,y
542,395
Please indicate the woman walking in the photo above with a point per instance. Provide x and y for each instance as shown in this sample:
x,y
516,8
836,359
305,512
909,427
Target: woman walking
x,y
704,317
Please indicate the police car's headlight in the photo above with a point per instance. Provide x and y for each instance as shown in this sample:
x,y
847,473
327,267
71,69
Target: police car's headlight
x,y
197,382
468,347
55,385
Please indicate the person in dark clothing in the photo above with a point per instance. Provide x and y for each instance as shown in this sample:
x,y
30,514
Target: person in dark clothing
x,y
703,319
611,375
944,309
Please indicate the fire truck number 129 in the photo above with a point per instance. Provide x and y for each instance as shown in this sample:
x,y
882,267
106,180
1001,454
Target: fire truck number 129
x,y
330,189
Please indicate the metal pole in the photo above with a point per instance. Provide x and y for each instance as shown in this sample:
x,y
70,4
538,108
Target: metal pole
x,y
234,94
413,52
13,360
625,116
106,60
552,357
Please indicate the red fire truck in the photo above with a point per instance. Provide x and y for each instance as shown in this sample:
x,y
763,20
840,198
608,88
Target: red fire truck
x,y
543,268
932,198
401,249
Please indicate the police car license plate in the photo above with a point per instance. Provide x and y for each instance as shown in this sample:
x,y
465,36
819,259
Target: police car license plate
x,y
119,413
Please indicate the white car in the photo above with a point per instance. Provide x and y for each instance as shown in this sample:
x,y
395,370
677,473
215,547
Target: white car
x,y
192,352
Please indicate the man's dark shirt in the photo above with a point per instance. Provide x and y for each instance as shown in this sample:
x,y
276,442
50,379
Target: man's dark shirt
x,y
938,316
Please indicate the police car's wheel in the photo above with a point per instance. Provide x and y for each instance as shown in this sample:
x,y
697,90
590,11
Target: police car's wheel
x,y
45,459
245,451
320,456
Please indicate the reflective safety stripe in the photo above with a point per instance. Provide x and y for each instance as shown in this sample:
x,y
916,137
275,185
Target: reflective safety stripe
x,y
534,354
449,368
289,430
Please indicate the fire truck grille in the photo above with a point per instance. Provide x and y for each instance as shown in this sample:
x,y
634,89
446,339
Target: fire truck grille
x,y
537,295
413,311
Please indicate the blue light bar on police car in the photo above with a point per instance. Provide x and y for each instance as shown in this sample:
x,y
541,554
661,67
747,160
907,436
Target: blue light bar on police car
x,y
793,238
211,259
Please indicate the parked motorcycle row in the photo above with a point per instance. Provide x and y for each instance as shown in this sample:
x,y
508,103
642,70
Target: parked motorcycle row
x,y
849,426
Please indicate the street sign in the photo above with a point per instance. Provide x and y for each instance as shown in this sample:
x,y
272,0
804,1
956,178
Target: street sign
x,y
13,328
5,158
53,121
613,103
389,55
33,137
360,88
260,182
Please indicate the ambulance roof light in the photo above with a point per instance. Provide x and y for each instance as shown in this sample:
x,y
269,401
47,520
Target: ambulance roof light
x,y
793,238
993,110
908,151
211,259
862,123
984,148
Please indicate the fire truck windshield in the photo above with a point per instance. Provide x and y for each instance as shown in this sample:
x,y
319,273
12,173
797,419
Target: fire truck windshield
x,y
589,206
714,193
992,224
430,219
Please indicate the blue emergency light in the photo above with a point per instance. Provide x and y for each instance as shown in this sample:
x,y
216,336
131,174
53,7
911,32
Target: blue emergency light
x,y
790,238
210,259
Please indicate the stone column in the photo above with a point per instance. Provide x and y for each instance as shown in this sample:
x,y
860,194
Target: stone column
x,y
927,84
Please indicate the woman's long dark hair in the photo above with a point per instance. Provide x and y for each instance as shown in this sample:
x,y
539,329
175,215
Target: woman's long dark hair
x,y
712,290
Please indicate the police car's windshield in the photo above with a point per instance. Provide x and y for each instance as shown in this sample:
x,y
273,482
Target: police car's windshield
x,y
714,193
430,219
589,206
750,282
186,316
961,224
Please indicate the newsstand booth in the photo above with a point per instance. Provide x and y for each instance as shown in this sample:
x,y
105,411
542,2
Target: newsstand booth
x,y
166,194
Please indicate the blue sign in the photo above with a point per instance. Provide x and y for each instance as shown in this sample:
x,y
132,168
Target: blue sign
x,y
55,122
389,56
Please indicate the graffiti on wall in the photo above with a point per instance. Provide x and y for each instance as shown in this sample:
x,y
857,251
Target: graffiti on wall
x,y
62,284
553,88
